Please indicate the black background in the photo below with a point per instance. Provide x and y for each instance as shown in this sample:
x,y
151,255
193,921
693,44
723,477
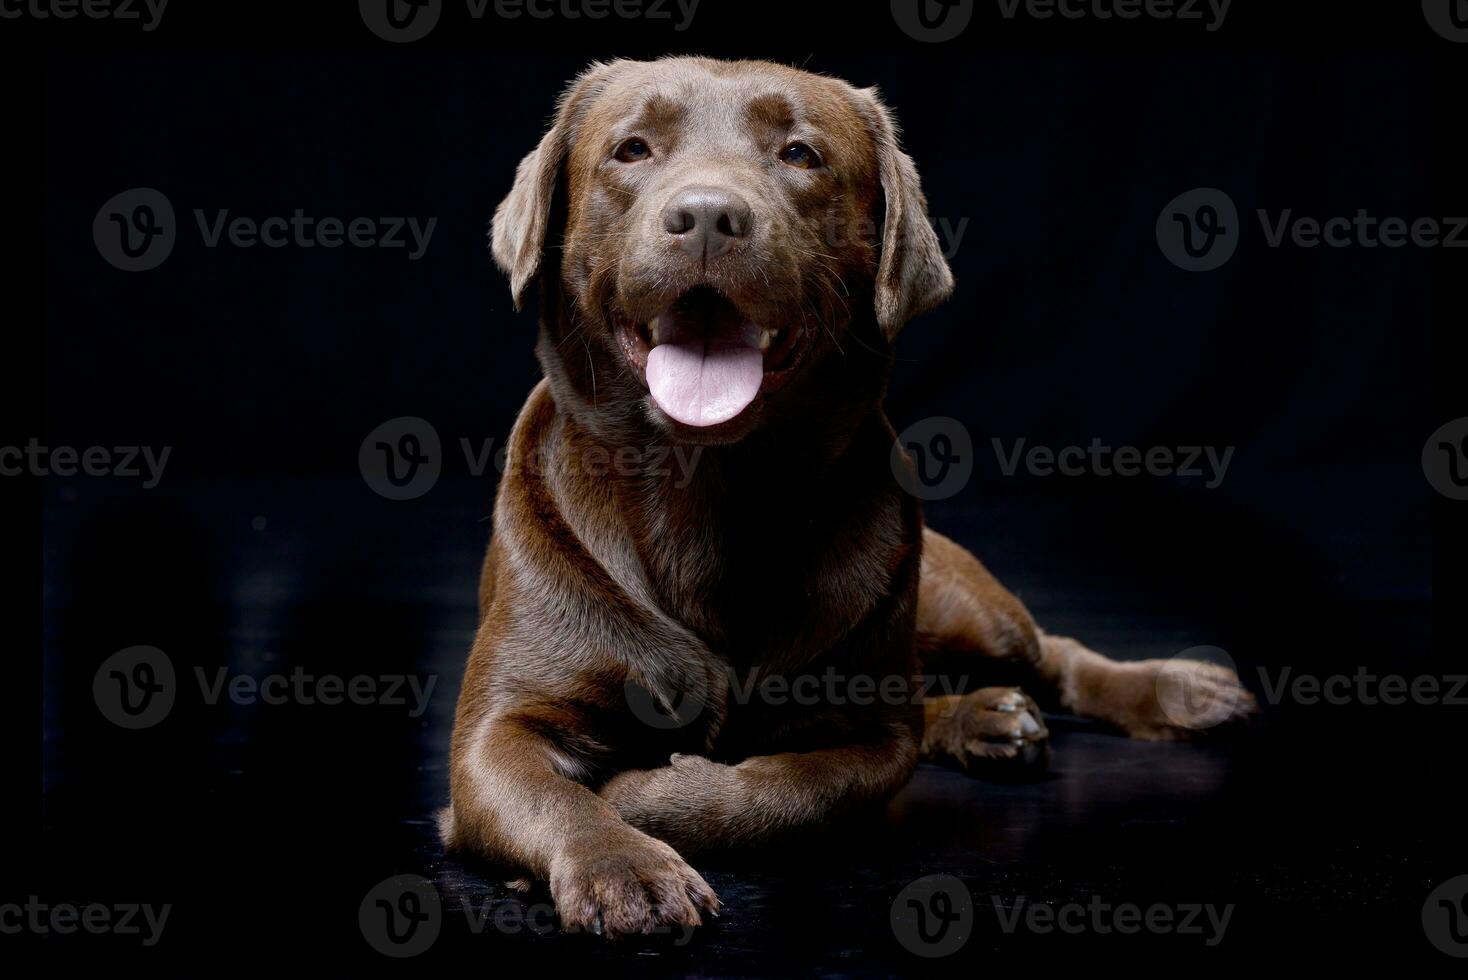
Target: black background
x,y
1057,143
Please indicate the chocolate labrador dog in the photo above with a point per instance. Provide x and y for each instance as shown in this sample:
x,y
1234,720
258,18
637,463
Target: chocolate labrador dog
x,y
669,661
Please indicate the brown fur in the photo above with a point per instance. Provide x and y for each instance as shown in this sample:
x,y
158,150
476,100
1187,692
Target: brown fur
x,y
789,553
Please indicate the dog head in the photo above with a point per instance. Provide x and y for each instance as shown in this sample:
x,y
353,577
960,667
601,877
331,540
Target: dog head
x,y
711,234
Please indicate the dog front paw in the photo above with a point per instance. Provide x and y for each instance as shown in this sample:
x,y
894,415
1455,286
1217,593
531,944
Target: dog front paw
x,y
635,885
992,731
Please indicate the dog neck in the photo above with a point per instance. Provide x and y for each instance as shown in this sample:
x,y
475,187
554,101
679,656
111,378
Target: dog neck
x,y
706,531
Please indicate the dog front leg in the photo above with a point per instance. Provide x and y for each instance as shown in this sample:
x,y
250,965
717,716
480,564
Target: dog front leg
x,y
513,804
695,803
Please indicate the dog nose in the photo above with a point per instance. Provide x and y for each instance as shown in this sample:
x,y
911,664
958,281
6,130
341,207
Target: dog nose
x,y
707,220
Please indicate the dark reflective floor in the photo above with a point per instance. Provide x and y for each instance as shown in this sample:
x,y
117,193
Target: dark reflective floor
x,y
1322,829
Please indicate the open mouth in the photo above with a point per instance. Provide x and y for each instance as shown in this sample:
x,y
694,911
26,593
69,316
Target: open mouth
x,y
703,360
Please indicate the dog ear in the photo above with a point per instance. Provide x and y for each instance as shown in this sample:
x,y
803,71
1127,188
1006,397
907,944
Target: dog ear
x,y
519,227
912,276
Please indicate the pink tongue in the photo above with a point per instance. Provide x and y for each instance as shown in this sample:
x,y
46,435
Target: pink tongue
x,y
704,382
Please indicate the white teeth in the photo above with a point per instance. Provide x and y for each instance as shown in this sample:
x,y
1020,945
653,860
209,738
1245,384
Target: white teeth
x,y
660,331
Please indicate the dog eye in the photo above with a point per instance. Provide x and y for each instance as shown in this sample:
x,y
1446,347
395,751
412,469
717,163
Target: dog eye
x,y
800,155
632,150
